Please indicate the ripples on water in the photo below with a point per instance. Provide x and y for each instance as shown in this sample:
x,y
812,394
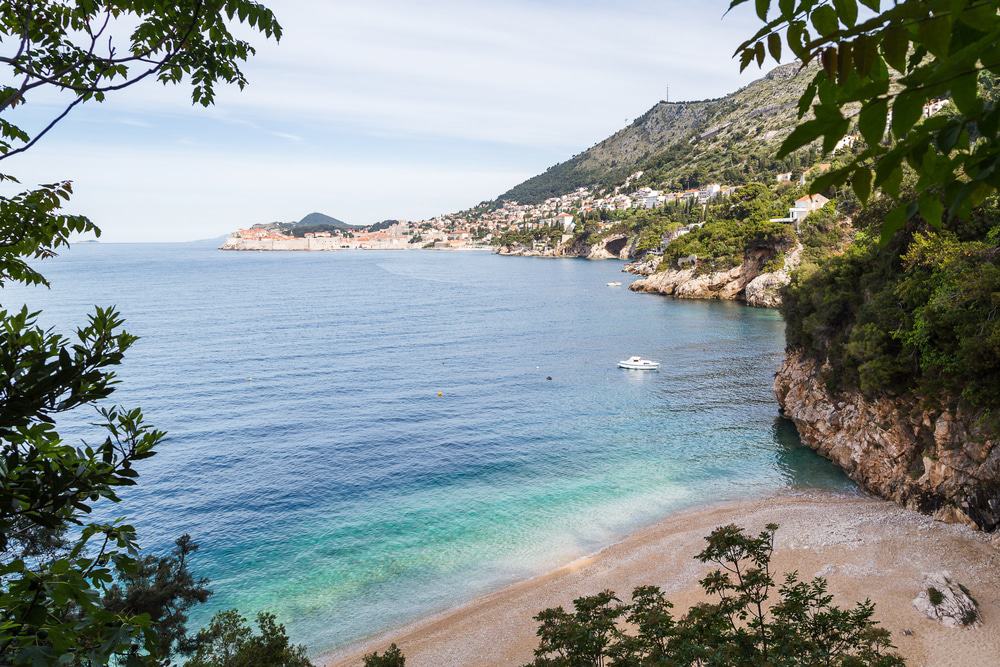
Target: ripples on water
x,y
310,454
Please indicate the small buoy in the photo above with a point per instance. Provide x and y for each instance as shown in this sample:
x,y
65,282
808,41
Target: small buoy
x,y
548,377
440,393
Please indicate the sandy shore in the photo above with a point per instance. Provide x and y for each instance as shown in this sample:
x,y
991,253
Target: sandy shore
x,y
865,547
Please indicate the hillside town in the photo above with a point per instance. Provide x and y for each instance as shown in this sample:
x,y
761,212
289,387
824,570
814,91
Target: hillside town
x,y
477,227
482,226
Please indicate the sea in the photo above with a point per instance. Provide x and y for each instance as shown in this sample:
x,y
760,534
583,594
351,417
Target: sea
x,y
359,439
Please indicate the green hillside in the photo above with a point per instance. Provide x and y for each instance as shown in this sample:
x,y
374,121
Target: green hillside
x,y
731,139
320,221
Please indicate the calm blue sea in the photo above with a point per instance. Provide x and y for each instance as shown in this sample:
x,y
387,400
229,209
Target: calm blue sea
x,y
312,458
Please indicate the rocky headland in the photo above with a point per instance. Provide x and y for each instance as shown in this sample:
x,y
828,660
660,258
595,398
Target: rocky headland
x,y
613,246
938,461
748,282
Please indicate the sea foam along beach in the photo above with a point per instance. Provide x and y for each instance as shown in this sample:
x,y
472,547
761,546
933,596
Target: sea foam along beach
x,y
866,548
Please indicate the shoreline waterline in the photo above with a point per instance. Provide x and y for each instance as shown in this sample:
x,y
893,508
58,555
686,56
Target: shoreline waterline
x,y
865,547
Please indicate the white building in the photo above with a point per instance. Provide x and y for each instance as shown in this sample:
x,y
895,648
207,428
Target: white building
x,y
806,205
565,220
647,198
709,192
933,107
845,142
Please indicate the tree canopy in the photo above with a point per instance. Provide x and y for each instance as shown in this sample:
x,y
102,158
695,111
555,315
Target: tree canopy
x,y
72,590
883,64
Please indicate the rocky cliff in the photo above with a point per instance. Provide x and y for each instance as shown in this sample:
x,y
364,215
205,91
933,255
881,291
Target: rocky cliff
x,y
755,118
938,461
747,282
615,246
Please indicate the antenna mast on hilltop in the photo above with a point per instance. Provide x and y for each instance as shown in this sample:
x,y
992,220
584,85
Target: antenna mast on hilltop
x,y
667,98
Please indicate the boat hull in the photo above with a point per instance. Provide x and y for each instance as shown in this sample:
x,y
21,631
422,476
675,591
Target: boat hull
x,y
638,367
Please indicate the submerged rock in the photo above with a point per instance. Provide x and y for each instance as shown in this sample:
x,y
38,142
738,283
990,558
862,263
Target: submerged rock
x,y
947,602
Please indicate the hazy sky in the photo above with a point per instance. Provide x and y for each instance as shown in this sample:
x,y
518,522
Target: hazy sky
x,y
375,109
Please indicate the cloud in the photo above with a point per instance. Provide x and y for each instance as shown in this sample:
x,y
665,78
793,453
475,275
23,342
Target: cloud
x,y
449,87
188,194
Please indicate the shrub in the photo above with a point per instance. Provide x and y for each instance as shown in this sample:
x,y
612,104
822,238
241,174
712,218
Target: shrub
x,y
392,657
721,244
935,596
228,641
917,315
743,628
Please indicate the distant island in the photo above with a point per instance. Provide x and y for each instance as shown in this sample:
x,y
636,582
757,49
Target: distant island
x,y
318,231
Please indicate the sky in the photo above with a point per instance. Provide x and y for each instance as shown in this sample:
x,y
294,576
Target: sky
x,y
376,109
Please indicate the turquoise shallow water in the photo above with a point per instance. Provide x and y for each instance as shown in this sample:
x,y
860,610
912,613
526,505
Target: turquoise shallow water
x,y
311,457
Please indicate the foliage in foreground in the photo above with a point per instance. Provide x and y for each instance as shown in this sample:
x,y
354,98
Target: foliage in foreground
x,y
228,641
890,60
75,591
744,628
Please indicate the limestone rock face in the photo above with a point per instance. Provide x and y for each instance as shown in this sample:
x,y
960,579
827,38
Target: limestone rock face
x,y
733,284
940,462
687,284
947,602
764,291
643,267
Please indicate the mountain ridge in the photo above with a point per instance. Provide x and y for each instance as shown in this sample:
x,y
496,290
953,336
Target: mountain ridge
x,y
672,137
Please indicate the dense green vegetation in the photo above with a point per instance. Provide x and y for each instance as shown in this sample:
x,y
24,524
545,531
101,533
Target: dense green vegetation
x,y
722,244
735,225
228,641
823,233
549,234
916,315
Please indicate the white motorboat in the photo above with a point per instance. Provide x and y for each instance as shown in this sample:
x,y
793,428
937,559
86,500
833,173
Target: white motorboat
x,y
614,283
638,364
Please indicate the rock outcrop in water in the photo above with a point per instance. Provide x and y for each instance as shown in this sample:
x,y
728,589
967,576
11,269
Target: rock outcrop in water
x,y
746,282
613,246
937,461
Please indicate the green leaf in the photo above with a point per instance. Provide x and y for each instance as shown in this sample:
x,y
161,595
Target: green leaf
x,y
893,181
965,94
847,10
805,102
872,121
762,7
871,4
824,19
796,40
906,111
895,44
774,46
861,183
931,209
935,34
802,135
787,8
948,136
